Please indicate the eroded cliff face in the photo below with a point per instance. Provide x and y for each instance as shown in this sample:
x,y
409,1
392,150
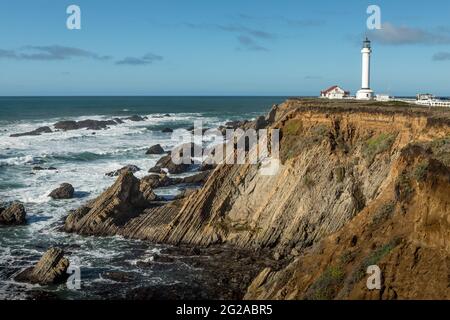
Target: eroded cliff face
x,y
339,165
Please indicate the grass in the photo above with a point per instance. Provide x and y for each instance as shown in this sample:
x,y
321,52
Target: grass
x,y
421,170
373,259
293,127
376,145
403,187
383,213
328,284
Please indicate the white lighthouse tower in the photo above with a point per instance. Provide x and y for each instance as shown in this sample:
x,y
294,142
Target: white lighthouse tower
x,y
365,93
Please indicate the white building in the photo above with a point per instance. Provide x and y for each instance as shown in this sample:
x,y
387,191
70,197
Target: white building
x,y
365,93
383,97
334,92
426,99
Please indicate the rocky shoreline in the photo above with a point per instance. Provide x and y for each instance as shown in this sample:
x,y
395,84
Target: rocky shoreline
x,y
348,172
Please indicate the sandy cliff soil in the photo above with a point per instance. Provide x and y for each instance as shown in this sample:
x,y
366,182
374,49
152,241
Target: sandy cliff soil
x,y
359,184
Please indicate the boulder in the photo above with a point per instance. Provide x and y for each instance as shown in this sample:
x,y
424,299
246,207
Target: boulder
x,y
64,191
129,168
156,149
154,181
114,207
15,214
36,132
167,130
51,269
167,163
260,123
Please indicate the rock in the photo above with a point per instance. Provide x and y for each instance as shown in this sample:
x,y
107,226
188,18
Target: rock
x,y
186,193
13,215
51,269
207,166
39,168
64,191
66,125
167,163
156,149
118,276
118,120
154,181
260,123
84,124
129,168
167,130
167,115
197,178
36,132
136,118
113,208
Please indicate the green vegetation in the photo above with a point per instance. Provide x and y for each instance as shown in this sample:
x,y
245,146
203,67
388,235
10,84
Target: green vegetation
x,y
377,145
441,150
293,127
403,187
421,170
373,259
383,213
328,284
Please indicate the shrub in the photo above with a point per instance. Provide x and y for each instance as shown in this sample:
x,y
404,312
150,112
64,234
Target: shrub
x,y
373,259
383,213
420,172
328,284
377,145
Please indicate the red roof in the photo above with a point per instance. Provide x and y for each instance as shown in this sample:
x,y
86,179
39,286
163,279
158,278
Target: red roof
x,y
331,89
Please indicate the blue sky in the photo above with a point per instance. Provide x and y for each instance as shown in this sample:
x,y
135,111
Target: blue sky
x,y
220,47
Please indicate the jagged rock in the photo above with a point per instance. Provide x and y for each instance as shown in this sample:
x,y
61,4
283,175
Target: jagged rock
x,y
64,191
118,120
84,124
154,181
197,178
156,149
260,123
36,132
112,209
167,163
51,269
167,130
15,214
136,118
128,168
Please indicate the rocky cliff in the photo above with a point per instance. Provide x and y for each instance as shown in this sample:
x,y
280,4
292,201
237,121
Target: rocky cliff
x,y
356,179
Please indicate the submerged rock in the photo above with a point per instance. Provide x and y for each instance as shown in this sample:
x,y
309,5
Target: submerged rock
x,y
167,130
51,269
129,168
156,149
64,191
15,214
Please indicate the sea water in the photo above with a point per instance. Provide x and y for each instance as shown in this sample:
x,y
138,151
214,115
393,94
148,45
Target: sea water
x,y
82,158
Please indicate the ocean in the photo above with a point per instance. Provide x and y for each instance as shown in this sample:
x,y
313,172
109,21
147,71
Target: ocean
x,y
82,158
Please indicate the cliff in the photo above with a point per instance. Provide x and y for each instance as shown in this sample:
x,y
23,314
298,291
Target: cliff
x,y
344,165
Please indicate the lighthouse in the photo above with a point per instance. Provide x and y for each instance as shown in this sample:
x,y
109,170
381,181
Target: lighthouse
x,y
365,93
